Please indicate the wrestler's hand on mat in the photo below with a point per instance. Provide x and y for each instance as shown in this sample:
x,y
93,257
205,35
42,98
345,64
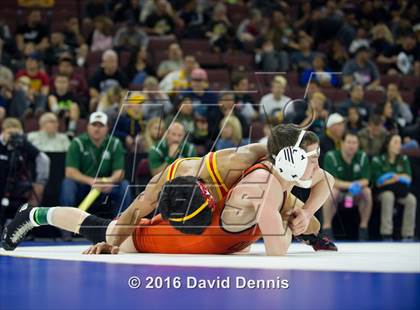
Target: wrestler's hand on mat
x,y
299,221
102,248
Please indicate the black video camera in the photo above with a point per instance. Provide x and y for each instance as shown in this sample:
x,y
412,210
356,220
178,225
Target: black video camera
x,y
16,141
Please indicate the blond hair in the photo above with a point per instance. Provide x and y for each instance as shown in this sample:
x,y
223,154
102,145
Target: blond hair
x,y
106,101
281,80
386,33
148,139
319,95
234,122
11,122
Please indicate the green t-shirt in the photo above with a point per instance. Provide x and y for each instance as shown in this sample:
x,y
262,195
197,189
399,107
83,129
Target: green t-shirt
x,y
89,159
159,154
380,165
358,169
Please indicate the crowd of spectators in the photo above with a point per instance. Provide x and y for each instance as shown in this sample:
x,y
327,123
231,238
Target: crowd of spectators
x,y
181,78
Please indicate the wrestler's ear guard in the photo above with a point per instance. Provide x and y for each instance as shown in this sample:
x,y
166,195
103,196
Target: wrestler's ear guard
x,y
291,161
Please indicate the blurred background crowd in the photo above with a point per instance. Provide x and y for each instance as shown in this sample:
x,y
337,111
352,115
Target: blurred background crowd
x,y
107,93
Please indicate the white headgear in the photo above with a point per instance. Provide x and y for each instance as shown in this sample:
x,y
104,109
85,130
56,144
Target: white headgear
x,y
291,161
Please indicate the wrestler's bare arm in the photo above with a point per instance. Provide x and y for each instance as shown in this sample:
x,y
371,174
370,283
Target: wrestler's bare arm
x,y
243,157
263,191
322,184
145,203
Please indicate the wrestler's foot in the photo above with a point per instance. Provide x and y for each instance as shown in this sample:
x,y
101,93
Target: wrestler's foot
x,y
17,229
318,242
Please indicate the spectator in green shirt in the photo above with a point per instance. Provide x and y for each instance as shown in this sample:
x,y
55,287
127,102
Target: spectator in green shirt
x,y
95,159
350,167
391,176
171,147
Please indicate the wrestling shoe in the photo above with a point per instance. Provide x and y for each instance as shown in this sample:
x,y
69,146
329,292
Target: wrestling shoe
x,y
17,229
317,242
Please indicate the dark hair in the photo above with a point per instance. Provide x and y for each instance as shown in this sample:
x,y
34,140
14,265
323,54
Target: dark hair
x,y
387,141
181,197
284,135
375,119
61,75
237,78
349,133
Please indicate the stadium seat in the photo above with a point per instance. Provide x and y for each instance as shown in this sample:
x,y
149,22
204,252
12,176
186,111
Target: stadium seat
x,y
192,46
409,82
30,124
160,44
238,61
209,60
124,58
218,78
375,96
408,96
388,79
94,58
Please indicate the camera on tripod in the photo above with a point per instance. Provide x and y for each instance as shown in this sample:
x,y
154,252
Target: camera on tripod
x,y
18,184
16,141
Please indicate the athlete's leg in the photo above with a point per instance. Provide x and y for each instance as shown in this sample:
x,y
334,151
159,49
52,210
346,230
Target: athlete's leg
x,y
67,218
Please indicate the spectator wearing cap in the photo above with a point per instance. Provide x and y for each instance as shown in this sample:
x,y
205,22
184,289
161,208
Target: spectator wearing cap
x,y
272,105
361,70
351,170
107,76
173,63
172,146
78,84
179,79
95,159
156,103
204,100
331,139
372,137
356,99
62,102
47,138
39,82
129,37
32,31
